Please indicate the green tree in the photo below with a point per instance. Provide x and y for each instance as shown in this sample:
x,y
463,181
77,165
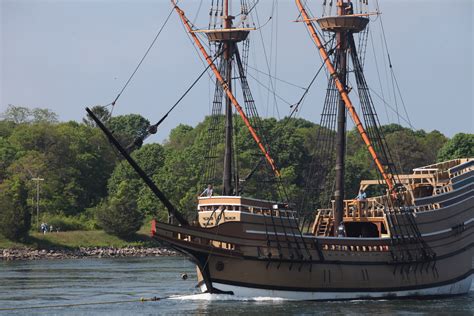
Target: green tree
x,y
128,127
40,115
16,114
433,142
102,113
119,215
6,128
460,146
15,218
75,161
7,156
22,115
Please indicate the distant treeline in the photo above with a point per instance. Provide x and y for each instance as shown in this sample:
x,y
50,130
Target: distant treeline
x,y
82,172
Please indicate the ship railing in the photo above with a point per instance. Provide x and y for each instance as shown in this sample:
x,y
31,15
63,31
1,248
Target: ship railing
x,y
444,189
249,209
446,165
205,242
356,248
461,169
427,207
371,207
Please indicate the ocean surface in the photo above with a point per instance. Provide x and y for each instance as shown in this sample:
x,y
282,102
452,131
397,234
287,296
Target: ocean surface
x,y
31,284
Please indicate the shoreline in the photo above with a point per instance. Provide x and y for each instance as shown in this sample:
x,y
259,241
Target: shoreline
x,y
15,254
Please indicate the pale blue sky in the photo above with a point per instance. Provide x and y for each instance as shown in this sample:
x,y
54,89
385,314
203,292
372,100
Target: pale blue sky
x,y
65,55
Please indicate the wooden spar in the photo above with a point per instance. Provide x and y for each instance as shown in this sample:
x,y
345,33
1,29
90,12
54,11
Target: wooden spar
x,y
225,86
344,95
171,209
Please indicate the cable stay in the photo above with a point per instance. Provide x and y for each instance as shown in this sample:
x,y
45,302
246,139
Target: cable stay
x,y
141,61
152,129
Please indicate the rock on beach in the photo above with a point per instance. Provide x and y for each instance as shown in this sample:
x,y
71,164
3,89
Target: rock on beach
x,y
83,252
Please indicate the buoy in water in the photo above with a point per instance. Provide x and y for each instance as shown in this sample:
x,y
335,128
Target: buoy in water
x,y
184,276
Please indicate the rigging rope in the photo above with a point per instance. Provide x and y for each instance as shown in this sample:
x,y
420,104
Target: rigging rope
x,y
142,59
152,129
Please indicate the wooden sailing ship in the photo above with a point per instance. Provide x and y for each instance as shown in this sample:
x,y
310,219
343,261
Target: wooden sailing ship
x,y
415,239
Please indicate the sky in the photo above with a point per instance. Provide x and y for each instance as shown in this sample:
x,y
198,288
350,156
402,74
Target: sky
x,y
66,55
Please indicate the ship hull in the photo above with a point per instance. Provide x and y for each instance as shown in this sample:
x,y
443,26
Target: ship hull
x,y
460,287
339,276
260,256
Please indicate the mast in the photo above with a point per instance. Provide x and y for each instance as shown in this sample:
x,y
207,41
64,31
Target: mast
x,y
344,25
341,69
388,178
228,52
233,35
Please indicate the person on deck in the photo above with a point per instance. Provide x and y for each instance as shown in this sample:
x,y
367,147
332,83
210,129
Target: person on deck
x,y
361,196
361,199
349,8
341,230
208,191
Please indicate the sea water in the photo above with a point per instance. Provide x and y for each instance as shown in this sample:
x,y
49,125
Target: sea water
x,y
25,284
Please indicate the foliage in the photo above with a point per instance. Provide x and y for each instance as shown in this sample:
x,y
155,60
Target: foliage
x,y
151,159
460,146
15,217
101,112
128,127
81,170
75,161
66,223
20,114
118,215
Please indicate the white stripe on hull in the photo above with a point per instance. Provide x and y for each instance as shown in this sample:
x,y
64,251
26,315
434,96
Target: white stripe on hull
x,y
460,287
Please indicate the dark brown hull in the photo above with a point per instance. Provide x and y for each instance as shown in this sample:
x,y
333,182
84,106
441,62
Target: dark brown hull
x,y
247,258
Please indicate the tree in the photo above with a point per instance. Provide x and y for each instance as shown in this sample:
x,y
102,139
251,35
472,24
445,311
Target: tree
x,y
128,127
7,156
75,160
15,218
43,116
150,158
460,146
433,142
16,114
102,113
22,115
6,128
119,215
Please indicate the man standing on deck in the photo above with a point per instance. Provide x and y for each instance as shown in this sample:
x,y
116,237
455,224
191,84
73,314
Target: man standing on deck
x,y
207,192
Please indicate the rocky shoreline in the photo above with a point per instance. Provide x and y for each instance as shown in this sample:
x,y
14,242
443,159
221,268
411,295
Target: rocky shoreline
x,y
83,252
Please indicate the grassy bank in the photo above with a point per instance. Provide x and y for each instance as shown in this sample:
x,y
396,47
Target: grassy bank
x,y
75,239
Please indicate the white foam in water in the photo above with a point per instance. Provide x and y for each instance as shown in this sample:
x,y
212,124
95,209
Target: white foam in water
x,y
224,297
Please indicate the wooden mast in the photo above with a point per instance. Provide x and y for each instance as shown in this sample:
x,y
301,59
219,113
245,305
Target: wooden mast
x,y
341,67
228,52
388,178
225,86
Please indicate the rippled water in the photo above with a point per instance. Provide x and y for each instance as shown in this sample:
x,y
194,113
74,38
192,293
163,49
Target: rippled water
x,y
52,282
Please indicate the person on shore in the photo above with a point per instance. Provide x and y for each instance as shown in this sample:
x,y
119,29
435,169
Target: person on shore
x,y
43,228
207,192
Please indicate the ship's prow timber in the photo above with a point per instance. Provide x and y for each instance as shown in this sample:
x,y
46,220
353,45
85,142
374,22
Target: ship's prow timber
x,y
253,248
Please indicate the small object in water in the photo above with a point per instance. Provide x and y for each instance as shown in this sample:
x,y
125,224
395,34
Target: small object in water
x,y
184,276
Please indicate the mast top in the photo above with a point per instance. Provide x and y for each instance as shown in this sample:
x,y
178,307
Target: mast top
x,y
345,20
352,23
226,34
